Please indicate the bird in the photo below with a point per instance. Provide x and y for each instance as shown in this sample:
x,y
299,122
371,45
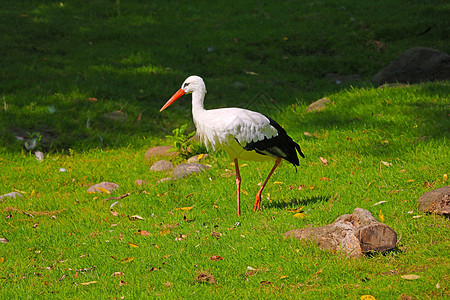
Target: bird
x,y
241,133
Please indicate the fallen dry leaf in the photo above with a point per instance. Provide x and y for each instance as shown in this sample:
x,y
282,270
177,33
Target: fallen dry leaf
x,y
324,161
133,245
138,120
117,274
410,277
143,233
88,283
126,260
367,297
380,216
4,240
181,237
136,217
299,215
386,163
216,257
185,208
121,283
101,189
427,185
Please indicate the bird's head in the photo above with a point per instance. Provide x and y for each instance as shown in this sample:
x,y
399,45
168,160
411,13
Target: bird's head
x,y
191,84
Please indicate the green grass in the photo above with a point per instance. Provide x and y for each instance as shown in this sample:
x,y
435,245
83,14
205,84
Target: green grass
x,y
132,56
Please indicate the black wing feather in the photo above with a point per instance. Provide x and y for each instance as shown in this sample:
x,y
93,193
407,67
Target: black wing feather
x,y
281,145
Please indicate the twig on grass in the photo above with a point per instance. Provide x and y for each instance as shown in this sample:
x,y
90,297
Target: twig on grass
x,y
117,198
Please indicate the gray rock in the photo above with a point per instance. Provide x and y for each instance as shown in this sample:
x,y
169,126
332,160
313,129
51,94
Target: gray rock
x,y
436,201
97,188
318,105
30,144
10,195
39,155
416,65
162,165
186,169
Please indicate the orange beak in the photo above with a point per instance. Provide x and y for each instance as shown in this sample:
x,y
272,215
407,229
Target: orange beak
x,y
172,99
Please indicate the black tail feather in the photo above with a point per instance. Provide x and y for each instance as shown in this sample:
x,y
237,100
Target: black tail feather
x,y
280,145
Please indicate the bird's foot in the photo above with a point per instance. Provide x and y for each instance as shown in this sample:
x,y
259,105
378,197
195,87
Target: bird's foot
x,y
257,201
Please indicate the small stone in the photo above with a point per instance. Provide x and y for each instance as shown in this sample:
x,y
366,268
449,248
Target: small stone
x,y
62,170
162,165
318,105
39,155
30,144
186,169
97,188
10,195
159,151
197,158
436,201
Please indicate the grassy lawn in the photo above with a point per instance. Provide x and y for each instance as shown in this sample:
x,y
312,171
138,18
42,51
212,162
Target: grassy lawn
x,y
64,65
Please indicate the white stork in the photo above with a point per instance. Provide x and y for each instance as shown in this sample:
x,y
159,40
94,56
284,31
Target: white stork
x,y
242,133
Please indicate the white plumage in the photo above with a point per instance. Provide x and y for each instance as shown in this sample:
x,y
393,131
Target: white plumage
x,y
242,133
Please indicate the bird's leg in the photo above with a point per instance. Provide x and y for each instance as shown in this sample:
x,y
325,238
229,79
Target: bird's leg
x,y
258,195
238,185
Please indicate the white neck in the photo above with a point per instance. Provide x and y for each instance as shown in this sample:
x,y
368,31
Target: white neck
x,y
198,97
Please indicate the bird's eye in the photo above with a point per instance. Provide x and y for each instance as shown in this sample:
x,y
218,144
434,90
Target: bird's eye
x,y
186,84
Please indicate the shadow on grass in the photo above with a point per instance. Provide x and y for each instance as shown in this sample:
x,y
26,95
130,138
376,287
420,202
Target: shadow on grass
x,y
295,202
375,254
